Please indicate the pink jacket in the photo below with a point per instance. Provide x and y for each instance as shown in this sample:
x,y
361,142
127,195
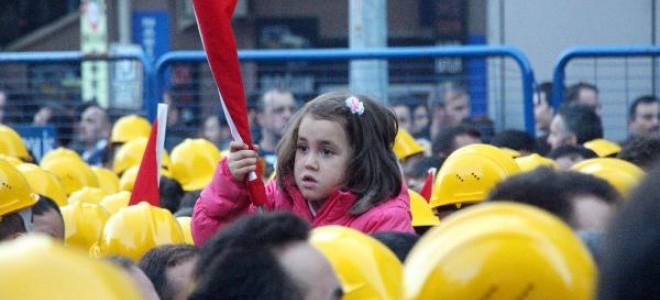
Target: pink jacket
x,y
225,199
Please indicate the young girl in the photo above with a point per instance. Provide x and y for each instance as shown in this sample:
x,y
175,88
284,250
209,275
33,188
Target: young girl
x,y
335,166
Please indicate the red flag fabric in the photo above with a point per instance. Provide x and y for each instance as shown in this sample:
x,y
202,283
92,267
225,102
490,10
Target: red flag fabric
x,y
146,182
427,188
214,22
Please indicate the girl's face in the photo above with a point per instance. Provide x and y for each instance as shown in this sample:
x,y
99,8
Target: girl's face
x,y
322,156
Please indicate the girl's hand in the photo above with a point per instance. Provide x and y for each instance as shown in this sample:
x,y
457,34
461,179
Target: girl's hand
x,y
241,160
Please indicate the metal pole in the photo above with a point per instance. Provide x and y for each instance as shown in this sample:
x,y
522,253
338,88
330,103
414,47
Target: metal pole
x,y
124,21
368,29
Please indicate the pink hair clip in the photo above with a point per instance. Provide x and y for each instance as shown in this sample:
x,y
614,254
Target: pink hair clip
x,y
356,106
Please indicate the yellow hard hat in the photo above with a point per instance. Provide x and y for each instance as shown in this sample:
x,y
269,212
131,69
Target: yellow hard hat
x,y
37,267
366,268
128,128
83,223
127,180
533,161
422,214
184,222
11,144
500,251
14,161
112,203
108,180
43,182
87,195
134,230
60,152
469,173
15,192
193,163
130,154
622,175
511,152
72,173
405,145
603,147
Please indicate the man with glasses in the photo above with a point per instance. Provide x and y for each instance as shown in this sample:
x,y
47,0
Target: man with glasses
x,y
643,117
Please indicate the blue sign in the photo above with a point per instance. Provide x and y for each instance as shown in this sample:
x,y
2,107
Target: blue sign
x,y
39,139
151,30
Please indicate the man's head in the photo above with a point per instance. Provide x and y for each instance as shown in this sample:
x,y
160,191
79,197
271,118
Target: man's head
x,y
568,155
542,109
277,107
585,94
170,268
631,261
403,116
264,256
573,125
451,138
582,201
48,218
94,125
642,151
457,104
643,117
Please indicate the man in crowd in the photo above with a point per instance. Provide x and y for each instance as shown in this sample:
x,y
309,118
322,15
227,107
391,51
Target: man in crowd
x,y
643,117
585,94
277,107
575,124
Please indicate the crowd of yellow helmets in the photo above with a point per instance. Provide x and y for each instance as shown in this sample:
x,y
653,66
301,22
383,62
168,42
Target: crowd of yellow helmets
x,y
468,251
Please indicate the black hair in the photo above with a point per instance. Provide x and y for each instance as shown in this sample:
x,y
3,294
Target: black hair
x,y
239,261
545,88
421,167
184,212
45,204
189,199
515,139
374,174
646,99
564,150
553,191
443,144
157,261
171,193
582,121
121,261
631,266
573,91
641,151
540,188
11,225
399,242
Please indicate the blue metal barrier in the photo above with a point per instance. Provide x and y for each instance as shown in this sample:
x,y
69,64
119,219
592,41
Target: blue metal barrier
x,y
634,67
150,104
319,55
53,79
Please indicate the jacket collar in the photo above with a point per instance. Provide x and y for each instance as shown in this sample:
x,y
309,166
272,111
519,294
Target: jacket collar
x,y
336,207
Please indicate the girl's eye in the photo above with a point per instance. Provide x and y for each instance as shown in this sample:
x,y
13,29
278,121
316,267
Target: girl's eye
x,y
301,148
327,152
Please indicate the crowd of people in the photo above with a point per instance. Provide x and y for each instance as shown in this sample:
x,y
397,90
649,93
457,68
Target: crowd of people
x,y
418,200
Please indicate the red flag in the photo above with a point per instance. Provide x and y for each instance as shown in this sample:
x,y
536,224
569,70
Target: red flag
x,y
214,22
427,188
146,182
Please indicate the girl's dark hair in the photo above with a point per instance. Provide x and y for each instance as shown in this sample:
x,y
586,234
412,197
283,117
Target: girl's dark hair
x,y
374,172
